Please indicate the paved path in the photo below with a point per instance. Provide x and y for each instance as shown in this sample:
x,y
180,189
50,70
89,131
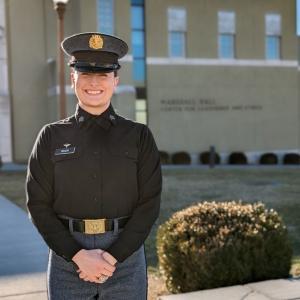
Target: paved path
x,y
7,167
281,289
12,167
23,256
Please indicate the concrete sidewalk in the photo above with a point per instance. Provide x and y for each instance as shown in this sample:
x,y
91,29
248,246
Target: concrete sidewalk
x,y
281,289
12,167
24,255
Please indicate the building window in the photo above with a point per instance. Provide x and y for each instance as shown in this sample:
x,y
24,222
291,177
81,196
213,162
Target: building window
x,y
138,40
273,36
140,111
272,47
177,31
226,39
105,16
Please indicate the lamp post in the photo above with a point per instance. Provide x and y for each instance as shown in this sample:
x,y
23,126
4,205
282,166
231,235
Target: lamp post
x,y
298,48
60,7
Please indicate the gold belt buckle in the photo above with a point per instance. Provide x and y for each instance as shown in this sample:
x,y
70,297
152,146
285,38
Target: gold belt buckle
x,y
94,226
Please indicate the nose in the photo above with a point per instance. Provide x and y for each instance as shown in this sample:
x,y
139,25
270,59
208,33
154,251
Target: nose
x,y
93,80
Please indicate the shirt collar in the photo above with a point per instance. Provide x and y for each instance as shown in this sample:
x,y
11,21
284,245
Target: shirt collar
x,y
105,119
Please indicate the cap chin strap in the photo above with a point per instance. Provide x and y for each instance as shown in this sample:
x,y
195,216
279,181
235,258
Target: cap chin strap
x,y
94,70
87,67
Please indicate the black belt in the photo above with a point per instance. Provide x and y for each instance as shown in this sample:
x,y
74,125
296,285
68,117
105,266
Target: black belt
x,y
93,226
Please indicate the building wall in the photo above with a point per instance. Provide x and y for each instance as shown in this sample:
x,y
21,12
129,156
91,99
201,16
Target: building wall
x,y
5,120
32,65
27,68
232,108
244,104
202,26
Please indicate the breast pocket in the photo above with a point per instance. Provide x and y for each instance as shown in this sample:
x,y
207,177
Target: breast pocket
x,y
122,164
126,153
120,167
68,166
65,154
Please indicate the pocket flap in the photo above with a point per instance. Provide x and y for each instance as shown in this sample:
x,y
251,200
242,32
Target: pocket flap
x,y
128,152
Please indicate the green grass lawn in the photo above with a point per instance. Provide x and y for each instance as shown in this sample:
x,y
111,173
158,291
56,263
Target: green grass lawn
x,y
278,188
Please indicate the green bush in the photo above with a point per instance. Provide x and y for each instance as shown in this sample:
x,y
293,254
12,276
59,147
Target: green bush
x,y
181,158
164,157
210,245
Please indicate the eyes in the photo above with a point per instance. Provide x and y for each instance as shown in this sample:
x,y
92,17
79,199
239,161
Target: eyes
x,y
88,77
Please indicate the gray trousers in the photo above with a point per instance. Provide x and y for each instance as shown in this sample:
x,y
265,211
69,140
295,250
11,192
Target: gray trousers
x,y
129,281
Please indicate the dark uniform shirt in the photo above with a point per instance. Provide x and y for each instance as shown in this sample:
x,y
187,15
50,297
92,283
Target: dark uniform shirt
x,y
90,167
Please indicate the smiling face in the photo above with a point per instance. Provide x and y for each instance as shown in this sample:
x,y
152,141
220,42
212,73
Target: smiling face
x,y
94,90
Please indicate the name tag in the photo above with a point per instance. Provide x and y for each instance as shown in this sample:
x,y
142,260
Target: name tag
x,y
65,151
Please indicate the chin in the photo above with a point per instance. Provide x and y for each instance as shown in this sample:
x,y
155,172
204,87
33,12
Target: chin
x,y
95,103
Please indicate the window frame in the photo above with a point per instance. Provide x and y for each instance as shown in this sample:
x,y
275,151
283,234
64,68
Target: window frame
x,y
229,30
175,29
111,18
138,58
270,33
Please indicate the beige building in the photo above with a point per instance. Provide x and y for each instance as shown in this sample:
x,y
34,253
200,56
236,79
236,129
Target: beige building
x,y
201,72
5,114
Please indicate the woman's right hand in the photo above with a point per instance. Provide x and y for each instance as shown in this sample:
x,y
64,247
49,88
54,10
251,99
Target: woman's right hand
x,y
92,264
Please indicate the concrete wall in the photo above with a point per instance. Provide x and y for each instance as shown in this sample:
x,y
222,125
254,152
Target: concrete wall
x,y
5,120
27,67
202,26
232,107
246,104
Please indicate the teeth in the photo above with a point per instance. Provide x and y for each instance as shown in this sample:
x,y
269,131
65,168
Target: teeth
x,y
93,92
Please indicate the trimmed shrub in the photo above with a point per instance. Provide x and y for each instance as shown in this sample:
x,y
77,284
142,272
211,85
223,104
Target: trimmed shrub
x,y
237,158
268,159
181,158
291,159
204,158
164,157
211,245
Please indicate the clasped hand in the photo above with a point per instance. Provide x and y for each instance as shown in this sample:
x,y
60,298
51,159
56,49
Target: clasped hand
x,y
94,263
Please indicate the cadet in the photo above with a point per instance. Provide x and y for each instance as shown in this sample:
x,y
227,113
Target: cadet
x,y
94,184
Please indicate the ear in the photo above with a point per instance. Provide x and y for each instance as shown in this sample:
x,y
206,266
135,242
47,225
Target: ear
x,y
117,80
72,79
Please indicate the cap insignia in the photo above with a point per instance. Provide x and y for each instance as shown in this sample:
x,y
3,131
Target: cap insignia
x,y
96,41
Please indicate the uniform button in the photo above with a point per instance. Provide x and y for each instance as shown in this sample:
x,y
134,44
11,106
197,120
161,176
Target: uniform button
x,y
95,199
126,152
94,175
96,152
